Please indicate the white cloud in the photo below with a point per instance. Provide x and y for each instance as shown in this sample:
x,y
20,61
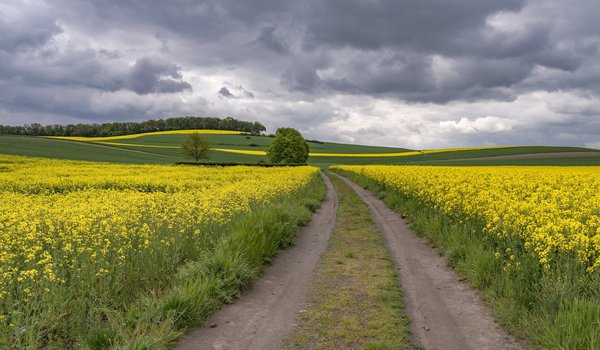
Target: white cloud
x,y
595,145
488,124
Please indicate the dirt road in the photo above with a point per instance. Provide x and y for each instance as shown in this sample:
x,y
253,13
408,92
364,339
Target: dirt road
x,y
445,313
267,313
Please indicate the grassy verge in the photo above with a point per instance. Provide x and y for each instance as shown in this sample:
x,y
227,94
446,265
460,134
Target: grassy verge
x,y
553,309
201,287
153,299
357,302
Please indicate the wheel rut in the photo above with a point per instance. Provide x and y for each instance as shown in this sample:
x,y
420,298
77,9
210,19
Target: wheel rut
x,y
445,313
267,313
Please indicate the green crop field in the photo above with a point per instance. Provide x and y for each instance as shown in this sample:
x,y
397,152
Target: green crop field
x,y
244,142
564,161
48,148
164,149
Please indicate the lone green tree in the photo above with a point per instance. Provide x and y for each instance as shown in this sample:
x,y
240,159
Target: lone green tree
x,y
288,146
195,147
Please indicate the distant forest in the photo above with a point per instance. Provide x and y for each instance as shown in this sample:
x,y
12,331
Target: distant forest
x,y
128,128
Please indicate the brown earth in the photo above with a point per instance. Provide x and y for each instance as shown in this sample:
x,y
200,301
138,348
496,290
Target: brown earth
x,y
266,314
445,313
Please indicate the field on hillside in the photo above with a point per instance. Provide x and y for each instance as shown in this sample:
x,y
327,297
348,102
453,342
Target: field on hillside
x,y
528,235
82,242
232,146
59,149
229,146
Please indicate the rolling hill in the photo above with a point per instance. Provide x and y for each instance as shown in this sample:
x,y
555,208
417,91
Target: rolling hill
x,y
233,146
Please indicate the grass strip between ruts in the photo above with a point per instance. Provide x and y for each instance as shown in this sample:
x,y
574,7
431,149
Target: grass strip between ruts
x,y
555,309
356,301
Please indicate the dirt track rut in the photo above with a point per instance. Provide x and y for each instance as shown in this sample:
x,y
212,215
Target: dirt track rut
x,y
267,313
445,313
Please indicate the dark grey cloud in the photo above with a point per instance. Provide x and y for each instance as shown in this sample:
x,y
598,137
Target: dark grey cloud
x,y
224,92
17,34
237,91
389,72
75,68
154,76
247,93
404,40
424,25
268,38
267,59
301,77
207,21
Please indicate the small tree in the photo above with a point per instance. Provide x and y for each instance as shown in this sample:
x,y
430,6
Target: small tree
x,y
196,147
288,146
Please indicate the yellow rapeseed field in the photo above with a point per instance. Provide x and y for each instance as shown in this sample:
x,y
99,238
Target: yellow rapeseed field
x,y
66,223
553,212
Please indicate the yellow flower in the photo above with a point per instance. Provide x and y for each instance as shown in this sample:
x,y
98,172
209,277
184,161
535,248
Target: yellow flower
x,y
551,210
65,220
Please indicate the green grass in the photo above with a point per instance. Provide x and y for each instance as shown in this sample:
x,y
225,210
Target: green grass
x,y
201,287
452,158
243,142
150,295
574,161
552,309
503,152
41,147
261,142
331,147
356,298
73,150
229,264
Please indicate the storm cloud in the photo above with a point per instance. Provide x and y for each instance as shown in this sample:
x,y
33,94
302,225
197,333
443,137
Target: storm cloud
x,y
148,76
408,73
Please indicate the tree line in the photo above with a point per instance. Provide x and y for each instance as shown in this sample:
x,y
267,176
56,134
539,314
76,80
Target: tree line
x,y
128,128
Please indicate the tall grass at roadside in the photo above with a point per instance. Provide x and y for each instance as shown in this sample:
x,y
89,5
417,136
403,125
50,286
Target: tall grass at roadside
x,y
200,287
553,307
82,243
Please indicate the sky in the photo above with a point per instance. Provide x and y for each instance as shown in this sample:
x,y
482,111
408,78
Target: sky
x,y
407,73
